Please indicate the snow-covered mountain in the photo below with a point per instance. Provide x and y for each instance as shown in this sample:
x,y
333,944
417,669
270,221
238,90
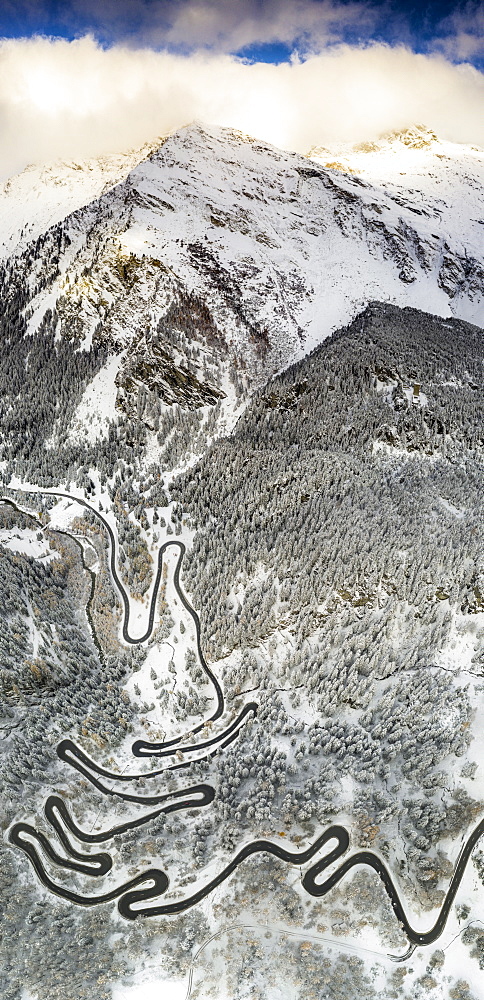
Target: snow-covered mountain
x,y
204,264
415,161
43,195
328,521
280,250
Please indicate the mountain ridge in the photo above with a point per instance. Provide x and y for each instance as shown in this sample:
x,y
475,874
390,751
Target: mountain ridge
x,y
216,262
229,218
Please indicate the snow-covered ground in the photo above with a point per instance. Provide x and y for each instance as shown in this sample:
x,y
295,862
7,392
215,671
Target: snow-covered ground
x,y
148,983
299,248
44,194
28,542
432,174
255,234
145,988
97,406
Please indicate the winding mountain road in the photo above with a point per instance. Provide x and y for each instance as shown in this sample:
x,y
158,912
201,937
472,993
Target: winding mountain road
x,y
142,748
154,881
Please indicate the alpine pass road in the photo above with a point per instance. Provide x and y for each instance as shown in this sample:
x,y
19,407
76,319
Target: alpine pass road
x,y
134,894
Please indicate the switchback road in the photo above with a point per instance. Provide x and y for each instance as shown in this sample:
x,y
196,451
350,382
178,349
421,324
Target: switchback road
x,y
154,881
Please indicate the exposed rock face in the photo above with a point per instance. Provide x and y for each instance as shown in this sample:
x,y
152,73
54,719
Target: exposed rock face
x,y
217,258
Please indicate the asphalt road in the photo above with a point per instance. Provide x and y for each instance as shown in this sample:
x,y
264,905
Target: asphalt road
x,y
154,881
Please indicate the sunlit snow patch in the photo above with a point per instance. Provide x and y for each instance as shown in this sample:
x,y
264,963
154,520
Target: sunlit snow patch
x,y
97,407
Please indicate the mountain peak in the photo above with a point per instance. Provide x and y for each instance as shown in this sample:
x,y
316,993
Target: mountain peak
x,y
414,136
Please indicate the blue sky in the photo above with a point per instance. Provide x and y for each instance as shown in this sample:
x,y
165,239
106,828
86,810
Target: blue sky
x,y
271,31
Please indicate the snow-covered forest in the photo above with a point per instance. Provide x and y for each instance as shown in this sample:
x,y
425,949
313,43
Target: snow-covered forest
x,y
335,566
241,581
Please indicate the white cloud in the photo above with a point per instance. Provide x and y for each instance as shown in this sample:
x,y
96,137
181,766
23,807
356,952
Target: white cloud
x,y
62,99
221,25
461,34
234,26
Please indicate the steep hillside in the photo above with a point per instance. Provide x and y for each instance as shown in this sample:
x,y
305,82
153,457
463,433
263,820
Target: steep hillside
x,y
215,263
421,171
333,555
43,195
241,589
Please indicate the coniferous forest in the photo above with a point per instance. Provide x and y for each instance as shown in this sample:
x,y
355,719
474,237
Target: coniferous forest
x,y
335,569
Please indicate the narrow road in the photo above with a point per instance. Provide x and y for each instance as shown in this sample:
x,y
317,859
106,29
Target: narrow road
x,y
142,748
155,881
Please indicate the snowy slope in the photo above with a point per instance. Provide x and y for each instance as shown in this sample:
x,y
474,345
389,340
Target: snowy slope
x,y
437,174
43,195
287,233
219,260
221,210
202,269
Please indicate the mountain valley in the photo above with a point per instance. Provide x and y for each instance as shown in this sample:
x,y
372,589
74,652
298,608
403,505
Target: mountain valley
x,y
240,451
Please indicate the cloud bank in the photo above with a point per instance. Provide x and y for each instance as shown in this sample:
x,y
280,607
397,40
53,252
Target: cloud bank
x,y
61,99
